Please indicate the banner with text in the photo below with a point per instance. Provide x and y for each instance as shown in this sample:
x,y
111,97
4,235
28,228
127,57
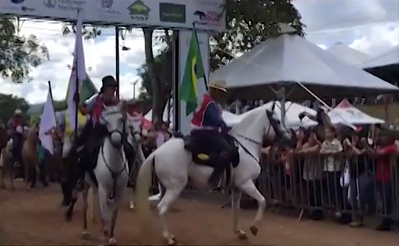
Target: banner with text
x,y
175,14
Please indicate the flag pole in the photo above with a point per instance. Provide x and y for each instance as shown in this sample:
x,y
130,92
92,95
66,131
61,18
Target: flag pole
x,y
76,96
199,48
50,90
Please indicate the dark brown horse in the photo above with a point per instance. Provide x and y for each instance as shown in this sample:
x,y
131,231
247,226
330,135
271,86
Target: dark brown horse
x,y
6,158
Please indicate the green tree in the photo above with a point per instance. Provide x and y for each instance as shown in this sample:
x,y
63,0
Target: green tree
x,y
18,54
8,105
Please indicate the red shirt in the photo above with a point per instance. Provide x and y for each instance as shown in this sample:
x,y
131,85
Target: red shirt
x,y
383,167
99,106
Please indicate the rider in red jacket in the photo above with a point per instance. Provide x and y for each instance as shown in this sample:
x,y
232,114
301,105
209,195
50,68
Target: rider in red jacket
x,y
209,129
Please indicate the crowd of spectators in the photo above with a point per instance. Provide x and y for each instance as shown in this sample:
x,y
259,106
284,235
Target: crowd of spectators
x,y
352,173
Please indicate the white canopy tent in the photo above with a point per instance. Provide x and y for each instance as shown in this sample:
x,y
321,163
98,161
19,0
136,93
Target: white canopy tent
x,y
289,59
347,54
293,110
390,57
346,113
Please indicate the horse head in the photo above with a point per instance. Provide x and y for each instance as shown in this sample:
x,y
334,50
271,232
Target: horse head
x,y
283,134
114,119
135,126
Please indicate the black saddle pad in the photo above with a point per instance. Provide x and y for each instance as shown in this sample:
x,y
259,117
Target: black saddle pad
x,y
202,153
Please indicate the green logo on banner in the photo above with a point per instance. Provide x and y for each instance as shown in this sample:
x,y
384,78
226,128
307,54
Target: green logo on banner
x,y
170,12
139,11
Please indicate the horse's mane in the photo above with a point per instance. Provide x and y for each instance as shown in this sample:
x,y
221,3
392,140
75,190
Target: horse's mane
x,y
32,132
255,115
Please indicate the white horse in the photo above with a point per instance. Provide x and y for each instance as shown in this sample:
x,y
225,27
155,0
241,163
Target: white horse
x,y
111,172
173,166
135,128
135,139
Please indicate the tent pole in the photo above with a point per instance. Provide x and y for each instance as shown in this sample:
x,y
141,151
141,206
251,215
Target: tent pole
x,y
281,96
176,82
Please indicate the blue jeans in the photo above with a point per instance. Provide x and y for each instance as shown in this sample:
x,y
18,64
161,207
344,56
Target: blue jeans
x,y
365,193
16,147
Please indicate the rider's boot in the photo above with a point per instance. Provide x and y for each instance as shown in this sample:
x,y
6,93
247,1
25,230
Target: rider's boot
x,y
218,170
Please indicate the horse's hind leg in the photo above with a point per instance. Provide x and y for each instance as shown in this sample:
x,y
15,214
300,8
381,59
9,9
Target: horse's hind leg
x,y
170,196
250,189
236,195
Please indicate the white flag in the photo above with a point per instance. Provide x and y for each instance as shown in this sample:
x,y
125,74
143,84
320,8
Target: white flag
x,y
48,122
79,68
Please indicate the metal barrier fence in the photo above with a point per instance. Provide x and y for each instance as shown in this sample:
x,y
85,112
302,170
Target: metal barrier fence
x,y
352,185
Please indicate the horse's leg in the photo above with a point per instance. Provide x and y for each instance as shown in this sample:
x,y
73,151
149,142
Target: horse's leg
x,y
4,170
250,189
131,201
115,208
11,174
95,206
171,195
85,193
104,210
236,195
74,198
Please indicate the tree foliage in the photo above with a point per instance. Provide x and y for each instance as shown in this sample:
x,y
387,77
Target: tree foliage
x,y
249,23
18,54
8,105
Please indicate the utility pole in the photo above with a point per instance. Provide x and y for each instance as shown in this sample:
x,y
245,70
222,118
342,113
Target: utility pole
x,y
134,88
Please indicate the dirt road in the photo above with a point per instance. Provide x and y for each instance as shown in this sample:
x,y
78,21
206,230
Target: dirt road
x,y
34,217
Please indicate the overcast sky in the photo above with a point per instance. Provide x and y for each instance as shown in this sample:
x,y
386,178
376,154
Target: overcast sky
x,y
371,26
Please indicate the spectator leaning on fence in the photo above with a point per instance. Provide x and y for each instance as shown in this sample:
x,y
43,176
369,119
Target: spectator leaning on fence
x,y
383,154
361,188
330,149
311,174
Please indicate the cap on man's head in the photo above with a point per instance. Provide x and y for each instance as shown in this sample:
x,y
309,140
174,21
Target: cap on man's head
x,y
218,85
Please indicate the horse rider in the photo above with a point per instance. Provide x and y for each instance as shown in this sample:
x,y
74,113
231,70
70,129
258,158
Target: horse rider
x,y
92,133
16,131
209,129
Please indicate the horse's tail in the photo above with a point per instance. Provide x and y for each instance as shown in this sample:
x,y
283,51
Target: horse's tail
x,y
144,179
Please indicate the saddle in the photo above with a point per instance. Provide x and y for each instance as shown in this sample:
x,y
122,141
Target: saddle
x,y
202,154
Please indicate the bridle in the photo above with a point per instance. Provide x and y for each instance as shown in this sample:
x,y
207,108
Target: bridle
x,y
258,143
115,174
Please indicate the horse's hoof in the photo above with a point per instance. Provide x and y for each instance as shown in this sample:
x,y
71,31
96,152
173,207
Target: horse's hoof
x,y
242,235
85,235
254,230
170,241
112,241
131,206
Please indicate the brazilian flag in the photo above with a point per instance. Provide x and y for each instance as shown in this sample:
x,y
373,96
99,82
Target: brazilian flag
x,y
193,71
